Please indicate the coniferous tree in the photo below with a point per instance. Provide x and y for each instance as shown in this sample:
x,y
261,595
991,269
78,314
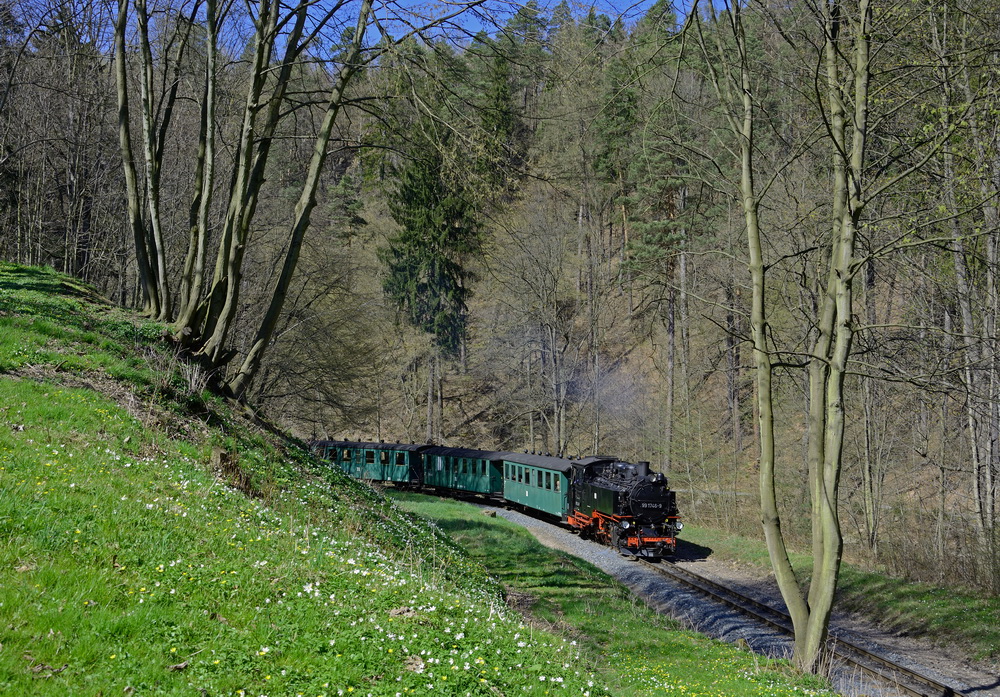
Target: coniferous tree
x,y
426,278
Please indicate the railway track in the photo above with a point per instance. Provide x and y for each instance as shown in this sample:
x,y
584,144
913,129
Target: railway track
x,y
907,681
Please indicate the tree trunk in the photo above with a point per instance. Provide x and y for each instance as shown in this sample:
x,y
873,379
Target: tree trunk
x,y
430,399
220,309
193,276
303,210
827,362
147,281
153,159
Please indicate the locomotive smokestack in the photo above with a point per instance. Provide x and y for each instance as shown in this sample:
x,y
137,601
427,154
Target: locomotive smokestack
x,y
642,469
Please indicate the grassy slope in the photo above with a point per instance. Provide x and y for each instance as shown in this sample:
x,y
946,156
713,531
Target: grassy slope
x,y
128,565
648,654
154,541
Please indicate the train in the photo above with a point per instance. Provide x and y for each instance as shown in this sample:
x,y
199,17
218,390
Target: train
x,y
620,504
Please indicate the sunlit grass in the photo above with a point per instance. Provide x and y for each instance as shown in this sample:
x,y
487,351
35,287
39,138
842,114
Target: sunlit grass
x,y
128,565
639,651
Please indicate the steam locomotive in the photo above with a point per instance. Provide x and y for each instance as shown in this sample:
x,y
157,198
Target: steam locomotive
x,y
617,503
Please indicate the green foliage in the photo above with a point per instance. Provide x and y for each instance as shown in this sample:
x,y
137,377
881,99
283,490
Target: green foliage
x,y
617,125
503,145
425,276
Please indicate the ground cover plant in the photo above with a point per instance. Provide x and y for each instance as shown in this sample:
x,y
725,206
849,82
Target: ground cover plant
x,y
155,541
918,609
641,652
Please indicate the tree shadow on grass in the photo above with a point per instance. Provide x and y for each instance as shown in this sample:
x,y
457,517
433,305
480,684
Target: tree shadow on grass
x,y
520,556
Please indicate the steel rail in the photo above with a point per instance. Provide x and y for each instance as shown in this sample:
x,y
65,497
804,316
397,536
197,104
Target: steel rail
x,y
905,679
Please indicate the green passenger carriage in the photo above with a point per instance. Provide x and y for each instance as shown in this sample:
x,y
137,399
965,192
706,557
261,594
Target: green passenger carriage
x,y
540,482
463,469
384,462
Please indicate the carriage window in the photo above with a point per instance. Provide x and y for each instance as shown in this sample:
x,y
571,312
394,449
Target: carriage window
x,y
400,458
347,454
520,474
383,457
369,457
465,466
548,481
555,480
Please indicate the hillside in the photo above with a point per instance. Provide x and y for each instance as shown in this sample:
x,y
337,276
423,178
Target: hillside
x,y
159,540
155,541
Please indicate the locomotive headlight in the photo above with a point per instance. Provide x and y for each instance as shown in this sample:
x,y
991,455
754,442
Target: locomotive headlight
x,y
680,526
626,525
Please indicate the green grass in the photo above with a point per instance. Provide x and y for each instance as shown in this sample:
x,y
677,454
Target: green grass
x,y
944,615
640,651
131,564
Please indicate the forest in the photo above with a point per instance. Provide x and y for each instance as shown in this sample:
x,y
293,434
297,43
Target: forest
x,y
755,244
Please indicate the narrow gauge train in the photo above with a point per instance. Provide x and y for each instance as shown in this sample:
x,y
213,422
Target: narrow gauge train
x,y
617,503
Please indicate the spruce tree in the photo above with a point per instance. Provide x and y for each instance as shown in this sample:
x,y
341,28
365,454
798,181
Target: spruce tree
x,y
426,279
